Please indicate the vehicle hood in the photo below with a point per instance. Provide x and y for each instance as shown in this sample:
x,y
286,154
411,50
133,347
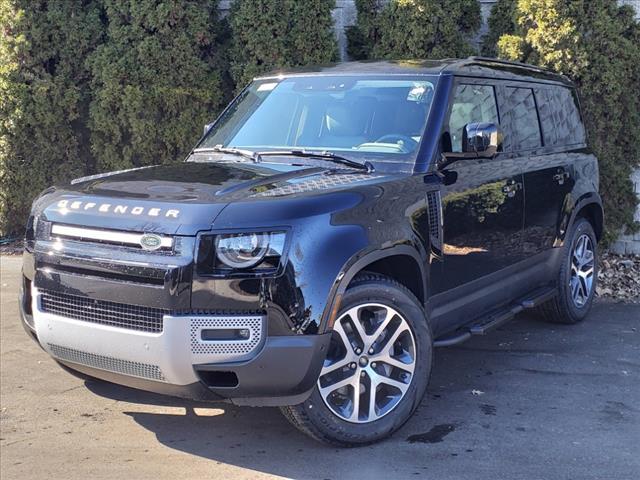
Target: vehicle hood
x,y
182,198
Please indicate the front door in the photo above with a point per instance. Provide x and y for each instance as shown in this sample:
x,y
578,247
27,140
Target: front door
x,y
483,207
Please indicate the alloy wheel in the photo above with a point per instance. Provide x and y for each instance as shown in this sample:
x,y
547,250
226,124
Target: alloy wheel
x,y
582,271
370,363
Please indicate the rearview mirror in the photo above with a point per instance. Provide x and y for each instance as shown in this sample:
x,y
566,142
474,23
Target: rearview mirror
x,y
482,139
207,127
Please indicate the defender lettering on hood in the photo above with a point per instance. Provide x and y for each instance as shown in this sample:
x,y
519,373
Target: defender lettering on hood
x,y
65,205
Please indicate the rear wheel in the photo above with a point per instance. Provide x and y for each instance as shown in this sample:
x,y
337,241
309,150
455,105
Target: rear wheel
x,y
577,277
377,367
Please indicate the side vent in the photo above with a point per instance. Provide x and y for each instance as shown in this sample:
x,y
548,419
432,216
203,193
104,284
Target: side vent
x,y
435,221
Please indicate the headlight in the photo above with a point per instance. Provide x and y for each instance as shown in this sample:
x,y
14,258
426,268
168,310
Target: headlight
x,y
247,253
242,250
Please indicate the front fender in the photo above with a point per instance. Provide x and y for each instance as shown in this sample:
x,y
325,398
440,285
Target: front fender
x,y
332,237
356,264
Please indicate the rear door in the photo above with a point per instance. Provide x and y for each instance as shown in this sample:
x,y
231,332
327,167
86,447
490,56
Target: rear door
x,y
548,168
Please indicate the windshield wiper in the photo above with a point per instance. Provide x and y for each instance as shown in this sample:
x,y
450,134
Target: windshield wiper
x,y
253,156
324,155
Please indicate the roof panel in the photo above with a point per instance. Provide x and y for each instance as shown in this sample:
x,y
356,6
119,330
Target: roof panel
x,y
472,66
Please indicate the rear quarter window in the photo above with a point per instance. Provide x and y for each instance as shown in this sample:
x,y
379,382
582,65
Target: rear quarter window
x,y
560,116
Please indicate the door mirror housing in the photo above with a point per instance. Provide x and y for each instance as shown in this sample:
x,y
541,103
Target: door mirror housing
x,y
484,140
479,140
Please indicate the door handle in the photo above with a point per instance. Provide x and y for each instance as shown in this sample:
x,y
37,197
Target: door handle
x,y
561,176
512,188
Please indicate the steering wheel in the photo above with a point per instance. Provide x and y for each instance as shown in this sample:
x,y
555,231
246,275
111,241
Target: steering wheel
x,y
406,143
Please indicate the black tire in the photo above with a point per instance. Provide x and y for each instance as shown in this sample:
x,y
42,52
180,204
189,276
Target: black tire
x,y
316,419
562,308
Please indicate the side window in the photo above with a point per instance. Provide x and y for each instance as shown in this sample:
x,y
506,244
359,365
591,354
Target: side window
x,y
546,111
521,115
560,116
471,103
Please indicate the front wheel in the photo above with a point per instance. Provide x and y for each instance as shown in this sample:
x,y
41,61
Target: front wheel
x,y
577,277
377,366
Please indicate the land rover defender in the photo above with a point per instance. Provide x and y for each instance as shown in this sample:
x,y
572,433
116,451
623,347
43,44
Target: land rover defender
x,y
328,231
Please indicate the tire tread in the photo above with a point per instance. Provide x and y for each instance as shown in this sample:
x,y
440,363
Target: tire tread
x,y
557,309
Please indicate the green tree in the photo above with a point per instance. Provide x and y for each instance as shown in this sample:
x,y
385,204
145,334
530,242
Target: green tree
x,y
415,29
595,43
271,34
44,93
156,81
362,36
501,22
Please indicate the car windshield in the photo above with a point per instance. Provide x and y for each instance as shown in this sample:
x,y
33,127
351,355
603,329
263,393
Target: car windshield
x,y
361,118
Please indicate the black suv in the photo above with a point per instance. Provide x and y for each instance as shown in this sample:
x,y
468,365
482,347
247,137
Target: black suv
x,y
327,232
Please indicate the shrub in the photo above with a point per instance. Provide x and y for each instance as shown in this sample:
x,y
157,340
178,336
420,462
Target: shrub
x,y
44,92
270,34
595,43
362,36
501,22
156,81
415,29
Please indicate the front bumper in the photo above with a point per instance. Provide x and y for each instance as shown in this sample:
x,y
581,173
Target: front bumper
x,y
275,370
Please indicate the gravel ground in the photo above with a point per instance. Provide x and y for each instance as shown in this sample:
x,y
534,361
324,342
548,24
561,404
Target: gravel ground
x,y
529,401
619,278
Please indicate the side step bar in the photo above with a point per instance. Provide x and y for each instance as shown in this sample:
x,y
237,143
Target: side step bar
x,y
498,318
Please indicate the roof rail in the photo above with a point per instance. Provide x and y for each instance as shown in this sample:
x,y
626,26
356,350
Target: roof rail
x,y
523,66
510,62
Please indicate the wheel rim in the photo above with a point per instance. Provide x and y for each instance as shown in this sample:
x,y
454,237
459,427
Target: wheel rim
x,y
370,363
582,270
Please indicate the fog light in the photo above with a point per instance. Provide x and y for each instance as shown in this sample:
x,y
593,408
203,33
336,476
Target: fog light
x,y
224,334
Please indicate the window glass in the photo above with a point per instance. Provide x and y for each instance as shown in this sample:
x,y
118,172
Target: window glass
x,y
560,116
471,104
373,118
520,113
545,111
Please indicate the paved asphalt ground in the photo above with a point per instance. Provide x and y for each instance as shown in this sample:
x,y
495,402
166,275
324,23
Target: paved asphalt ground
x,y
550,402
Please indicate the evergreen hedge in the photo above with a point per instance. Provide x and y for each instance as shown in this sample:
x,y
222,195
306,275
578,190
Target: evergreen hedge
x,y
156,73
501,22
364,35
414,29
44,97
271,34
596,44
156,81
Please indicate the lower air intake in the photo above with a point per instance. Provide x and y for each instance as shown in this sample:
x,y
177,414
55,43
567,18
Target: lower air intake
x,y
101,362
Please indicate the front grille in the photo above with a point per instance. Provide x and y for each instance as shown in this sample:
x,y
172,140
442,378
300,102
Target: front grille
x,y
111,364
132,317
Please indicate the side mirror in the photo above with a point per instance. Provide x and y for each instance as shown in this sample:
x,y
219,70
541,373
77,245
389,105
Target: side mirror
x,y
482,139
207,127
